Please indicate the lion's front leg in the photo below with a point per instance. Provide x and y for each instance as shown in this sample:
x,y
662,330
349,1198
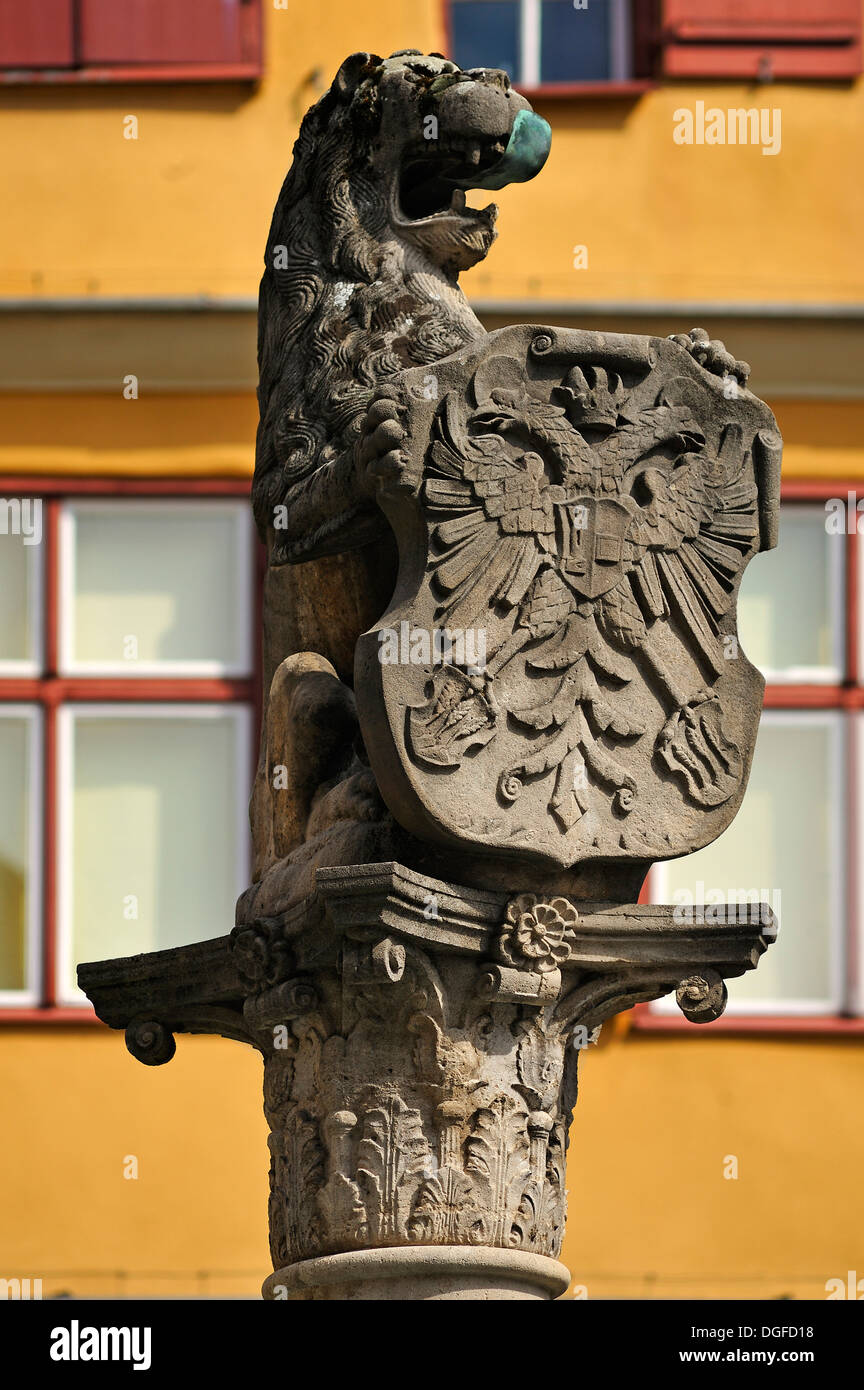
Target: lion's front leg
x,y
332,509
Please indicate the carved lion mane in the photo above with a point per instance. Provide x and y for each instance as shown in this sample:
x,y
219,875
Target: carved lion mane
x,y
368,236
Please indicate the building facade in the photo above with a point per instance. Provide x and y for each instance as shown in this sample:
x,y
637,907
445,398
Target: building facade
x,y
704,170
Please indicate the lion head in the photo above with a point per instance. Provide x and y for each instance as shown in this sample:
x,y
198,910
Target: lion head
x,y
369,234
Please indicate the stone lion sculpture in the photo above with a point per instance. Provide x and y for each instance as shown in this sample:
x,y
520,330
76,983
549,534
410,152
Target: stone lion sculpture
x,y
369,234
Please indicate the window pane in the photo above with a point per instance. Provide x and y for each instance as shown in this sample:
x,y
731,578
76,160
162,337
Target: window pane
x,y
790,609
784,846
18,880
153,832
19,573
156,587
485,34
575,45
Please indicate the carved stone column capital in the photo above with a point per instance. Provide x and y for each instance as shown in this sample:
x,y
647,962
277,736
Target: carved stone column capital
x,y
420,1043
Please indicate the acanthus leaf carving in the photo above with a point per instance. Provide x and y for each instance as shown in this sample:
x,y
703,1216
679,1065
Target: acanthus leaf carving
x,y
498,1156
540,1065
300,1156
392,1156
460,1137
446,1210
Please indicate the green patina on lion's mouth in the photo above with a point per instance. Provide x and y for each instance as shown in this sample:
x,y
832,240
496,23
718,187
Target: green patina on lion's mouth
x,y
526,153
434,179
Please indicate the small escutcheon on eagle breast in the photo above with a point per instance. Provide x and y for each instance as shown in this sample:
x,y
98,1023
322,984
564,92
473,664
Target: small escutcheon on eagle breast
x,y
559,672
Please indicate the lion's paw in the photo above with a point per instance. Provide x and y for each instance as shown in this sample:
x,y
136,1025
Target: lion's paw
x,y
711,354
381,457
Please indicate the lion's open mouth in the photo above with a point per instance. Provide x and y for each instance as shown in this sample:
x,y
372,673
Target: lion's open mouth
x,y
434,176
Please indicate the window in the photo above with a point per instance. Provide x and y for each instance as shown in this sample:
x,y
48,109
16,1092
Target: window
x,y
126,730
783,848
546,43
128,40
20,583
761,39
19,852
152,827
154,588
792,843
571,45
790,608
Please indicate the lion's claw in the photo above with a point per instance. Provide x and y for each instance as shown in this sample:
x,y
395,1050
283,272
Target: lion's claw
x,y
712,354
379,455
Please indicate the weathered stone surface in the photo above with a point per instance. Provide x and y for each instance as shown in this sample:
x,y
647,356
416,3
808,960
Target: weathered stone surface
x,y
368,237
420,1043
370,359
449,851
559,674
424,1273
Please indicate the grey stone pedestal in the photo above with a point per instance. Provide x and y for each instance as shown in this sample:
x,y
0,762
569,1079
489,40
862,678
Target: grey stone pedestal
x,y
422,1273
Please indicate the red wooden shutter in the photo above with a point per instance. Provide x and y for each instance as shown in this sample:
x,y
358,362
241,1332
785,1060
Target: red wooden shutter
x,y
166,31
762,38
37,34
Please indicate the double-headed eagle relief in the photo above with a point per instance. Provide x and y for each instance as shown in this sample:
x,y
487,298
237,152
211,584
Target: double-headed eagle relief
x,y
559,674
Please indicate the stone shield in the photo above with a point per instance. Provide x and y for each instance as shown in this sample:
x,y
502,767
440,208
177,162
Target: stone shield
x,y
558,674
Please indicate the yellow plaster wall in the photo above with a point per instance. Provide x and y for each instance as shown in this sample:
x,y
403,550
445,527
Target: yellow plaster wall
x,y
651,1214
156,435
214,435
76,1108
184,209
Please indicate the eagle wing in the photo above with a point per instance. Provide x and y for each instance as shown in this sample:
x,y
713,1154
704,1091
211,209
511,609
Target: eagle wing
x,y
701,521
495,518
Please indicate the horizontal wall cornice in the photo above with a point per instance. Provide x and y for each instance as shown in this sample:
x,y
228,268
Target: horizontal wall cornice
x,y
802,351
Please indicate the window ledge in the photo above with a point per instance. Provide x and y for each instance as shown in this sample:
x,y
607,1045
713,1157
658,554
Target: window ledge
x,y
54,1014
641,1018
155,72
799,1025
627,90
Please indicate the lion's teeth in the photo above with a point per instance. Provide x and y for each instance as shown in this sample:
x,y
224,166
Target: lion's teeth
x,y
473,154
457,202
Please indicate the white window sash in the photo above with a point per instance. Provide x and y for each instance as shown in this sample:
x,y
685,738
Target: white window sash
x,y
31,665
855,959
30,995
621,66
620,42
836,597
835,908
530,18
65,850
241,667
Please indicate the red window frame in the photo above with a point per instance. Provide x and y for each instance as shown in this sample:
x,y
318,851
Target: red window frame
x,y
846,695
689,39
51,690
644,21
49,68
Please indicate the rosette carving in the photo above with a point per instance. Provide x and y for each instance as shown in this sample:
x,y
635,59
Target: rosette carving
x,y
536,933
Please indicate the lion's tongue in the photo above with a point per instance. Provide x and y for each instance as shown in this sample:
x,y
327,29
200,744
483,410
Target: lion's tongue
x,y
526,153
